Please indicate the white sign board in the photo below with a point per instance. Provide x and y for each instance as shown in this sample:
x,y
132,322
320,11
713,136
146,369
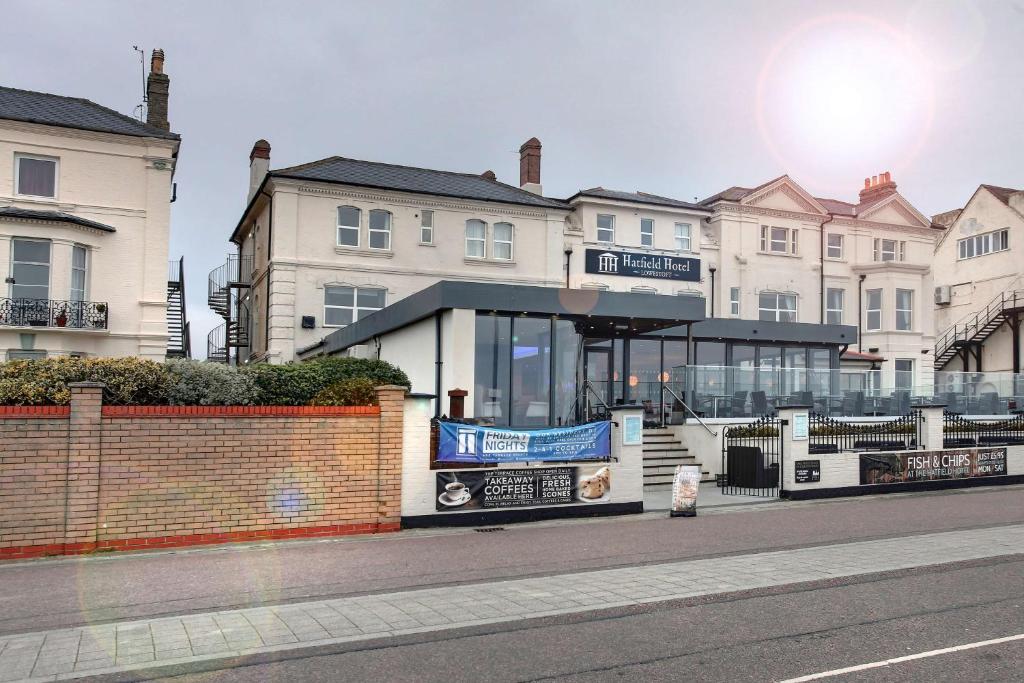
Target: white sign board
x,y
633,430
800,426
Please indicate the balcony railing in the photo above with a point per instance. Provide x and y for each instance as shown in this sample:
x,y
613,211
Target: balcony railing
x,y
82,315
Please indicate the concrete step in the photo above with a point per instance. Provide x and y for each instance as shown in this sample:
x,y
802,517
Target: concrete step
x,y
663,447
656,479
664,469
671,460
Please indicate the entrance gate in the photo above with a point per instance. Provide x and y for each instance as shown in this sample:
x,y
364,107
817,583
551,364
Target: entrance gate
x,y
752,458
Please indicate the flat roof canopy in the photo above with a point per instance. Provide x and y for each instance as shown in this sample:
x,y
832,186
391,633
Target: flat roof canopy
x,y
597,313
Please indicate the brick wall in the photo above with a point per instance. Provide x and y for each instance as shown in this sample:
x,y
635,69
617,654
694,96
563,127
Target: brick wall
x,y
109,477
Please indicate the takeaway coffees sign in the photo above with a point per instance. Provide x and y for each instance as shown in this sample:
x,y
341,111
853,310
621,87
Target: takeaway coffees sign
x,y
459,442
957,463
633,264
512,488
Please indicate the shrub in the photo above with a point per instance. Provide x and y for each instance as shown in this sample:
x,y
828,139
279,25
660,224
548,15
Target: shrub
x,y
300,383
192,383
45,381
355,391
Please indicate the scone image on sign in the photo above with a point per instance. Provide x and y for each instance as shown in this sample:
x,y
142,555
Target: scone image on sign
x,y
596,486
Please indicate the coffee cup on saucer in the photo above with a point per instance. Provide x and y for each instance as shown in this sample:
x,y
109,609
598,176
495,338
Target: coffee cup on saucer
x,y
455,490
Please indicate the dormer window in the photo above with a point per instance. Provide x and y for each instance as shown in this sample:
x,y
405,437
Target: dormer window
x,y
35,176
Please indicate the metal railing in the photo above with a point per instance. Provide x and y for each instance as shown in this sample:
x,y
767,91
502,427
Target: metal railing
x,y
752,458
829,435
687,408
176,270
960,432
965,330
236,271
216,344
83,315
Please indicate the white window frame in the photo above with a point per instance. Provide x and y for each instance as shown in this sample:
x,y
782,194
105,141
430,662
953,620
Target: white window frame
x,y
647,236
599,286
830,310
734,302
48,264
684,242
355,308
897,373
981,245
610,230
426,226
898,251
909,311
18,156
642,289
357,228
868,310
788,241
778,310
510,241
371,231
482,239
85,273
835,251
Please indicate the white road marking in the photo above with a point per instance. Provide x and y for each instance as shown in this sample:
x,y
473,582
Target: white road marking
x,y
906,658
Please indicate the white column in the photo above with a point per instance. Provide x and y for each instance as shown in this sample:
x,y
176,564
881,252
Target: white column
x,y
792,449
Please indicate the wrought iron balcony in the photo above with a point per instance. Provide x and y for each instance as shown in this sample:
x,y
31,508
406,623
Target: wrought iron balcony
x,y
81,315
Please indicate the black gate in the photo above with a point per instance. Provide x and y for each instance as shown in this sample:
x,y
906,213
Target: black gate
x,y
752,458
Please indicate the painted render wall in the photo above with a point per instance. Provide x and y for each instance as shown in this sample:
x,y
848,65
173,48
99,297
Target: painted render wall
x,y
121,181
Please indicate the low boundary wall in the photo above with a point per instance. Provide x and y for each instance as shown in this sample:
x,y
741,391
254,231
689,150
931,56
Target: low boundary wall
x,y
91,477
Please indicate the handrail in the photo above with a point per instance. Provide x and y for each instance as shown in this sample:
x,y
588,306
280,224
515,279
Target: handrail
x,y
588,385
969,325
665,387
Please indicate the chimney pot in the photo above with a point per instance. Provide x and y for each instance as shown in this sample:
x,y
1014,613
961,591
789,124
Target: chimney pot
x,y
259,165
488,175
529,165
260,149
867,183
158,87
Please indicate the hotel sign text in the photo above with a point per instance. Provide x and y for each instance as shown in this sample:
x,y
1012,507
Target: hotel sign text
x,y
632,264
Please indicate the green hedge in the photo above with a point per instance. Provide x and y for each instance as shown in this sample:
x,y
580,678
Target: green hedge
x,y
132,381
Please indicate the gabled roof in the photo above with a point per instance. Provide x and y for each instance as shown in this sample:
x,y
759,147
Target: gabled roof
x,y
1001,193
72,112
637,198
410,179
52,217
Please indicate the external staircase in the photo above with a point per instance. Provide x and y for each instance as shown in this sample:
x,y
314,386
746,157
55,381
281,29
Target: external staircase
x,y
224,295
977,327
663,451
179,345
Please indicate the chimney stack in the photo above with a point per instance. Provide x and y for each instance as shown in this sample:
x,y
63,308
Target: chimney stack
x,y
259,165
157,88
529,166
877,188
488,175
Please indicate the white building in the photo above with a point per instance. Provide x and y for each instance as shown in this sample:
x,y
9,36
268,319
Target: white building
x,y
979,291
781,254
85,198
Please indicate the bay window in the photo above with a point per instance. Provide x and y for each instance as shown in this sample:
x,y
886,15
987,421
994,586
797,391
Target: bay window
x,y
834,306
874,309
904,309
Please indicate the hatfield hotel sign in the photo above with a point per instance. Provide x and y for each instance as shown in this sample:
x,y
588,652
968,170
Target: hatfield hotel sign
x,y
632,264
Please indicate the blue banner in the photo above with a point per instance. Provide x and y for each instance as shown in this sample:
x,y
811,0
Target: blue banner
x,y
471,443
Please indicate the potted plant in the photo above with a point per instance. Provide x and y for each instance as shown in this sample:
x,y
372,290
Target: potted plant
x,y
62,318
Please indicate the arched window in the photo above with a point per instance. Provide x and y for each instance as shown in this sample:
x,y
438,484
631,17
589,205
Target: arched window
x,y
380,229
503,241
476,238
348,226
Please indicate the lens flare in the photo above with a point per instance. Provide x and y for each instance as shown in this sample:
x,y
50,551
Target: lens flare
x,y
842,96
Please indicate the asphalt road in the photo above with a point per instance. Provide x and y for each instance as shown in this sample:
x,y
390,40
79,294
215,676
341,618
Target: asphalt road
x,y
764,636
49,594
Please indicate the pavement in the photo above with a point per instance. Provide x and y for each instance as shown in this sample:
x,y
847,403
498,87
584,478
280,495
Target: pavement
x,y
312,610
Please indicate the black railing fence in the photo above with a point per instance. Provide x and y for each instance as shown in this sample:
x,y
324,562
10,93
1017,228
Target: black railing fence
x,y
960,432
53,313
752,458
829,435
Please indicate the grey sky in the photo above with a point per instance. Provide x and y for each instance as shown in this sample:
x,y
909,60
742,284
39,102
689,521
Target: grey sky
x,y
658,96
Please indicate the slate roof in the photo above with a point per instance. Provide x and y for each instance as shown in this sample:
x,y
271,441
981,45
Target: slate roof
x,y
410,179
52,216
637,197
837,206
72,112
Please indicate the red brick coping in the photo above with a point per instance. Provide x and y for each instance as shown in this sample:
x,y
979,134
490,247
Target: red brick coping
x,y
35,411
155,542
239,411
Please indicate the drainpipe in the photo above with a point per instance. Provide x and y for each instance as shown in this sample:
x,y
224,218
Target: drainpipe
x,y
712,270
821,286
437,364
860,311
568,260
